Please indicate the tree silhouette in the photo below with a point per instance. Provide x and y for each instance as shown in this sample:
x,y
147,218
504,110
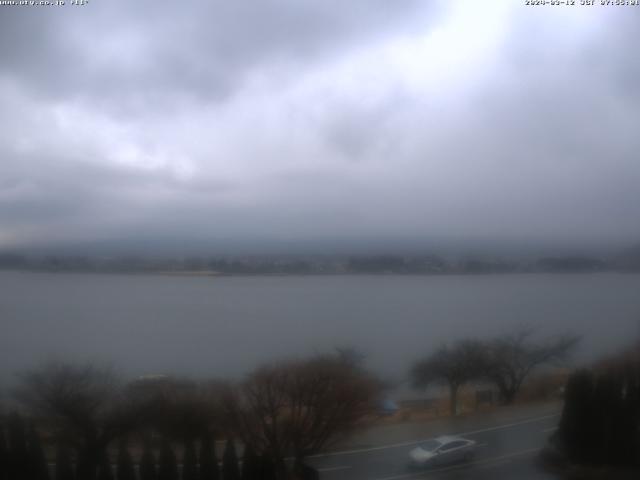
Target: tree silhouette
x,y
125,469
267,468
575,429
189,462
601,415
168,468
85,404
208,462
4,456
511,358
230,469
148,464
178,409
452,365
299,407
251,467
105,472
18,453
64,465
38,467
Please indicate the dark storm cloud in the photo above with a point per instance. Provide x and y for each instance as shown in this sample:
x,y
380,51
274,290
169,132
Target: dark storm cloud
x,y
296,118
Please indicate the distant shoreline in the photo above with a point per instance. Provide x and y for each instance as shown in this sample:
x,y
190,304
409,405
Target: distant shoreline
x,y
288,265
217,274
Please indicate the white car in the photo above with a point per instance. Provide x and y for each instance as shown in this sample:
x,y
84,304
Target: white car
x,y
442,450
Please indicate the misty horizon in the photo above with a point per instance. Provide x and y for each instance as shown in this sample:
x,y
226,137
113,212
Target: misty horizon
x,y
182,246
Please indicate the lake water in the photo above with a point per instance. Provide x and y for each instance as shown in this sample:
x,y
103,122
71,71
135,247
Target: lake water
x,y
224,326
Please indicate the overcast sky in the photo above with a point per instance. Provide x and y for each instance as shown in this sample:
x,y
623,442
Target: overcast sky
x,y
298,119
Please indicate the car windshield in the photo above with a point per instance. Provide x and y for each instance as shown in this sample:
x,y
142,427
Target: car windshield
x,y
430,445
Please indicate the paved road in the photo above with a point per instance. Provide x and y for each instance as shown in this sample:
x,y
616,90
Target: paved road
x,y
509,441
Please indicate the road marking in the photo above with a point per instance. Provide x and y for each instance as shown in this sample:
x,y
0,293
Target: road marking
x,y
475,463
416,442
508,425
334,469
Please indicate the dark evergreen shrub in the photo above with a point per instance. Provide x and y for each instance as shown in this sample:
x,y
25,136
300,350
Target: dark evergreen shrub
x,y
105,471
4,457
267,468
600,422
18,455
230,469
626,421
64,464
125,469
148,464
208,461
251,467
606,400
39,470
88,464
168,468
189,462
575,429
632,404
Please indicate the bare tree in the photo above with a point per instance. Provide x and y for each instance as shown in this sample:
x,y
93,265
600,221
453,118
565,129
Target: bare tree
x,y
511,358
451,365
299,407
351,356
178,409
83,405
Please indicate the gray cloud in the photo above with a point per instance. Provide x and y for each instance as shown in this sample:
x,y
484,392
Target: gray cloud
x,y
299,119
135,54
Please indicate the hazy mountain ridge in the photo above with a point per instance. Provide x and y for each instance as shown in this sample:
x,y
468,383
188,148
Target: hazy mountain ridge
x,y
309,264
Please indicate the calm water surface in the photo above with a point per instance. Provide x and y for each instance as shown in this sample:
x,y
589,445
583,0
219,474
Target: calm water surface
x,y
225,326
